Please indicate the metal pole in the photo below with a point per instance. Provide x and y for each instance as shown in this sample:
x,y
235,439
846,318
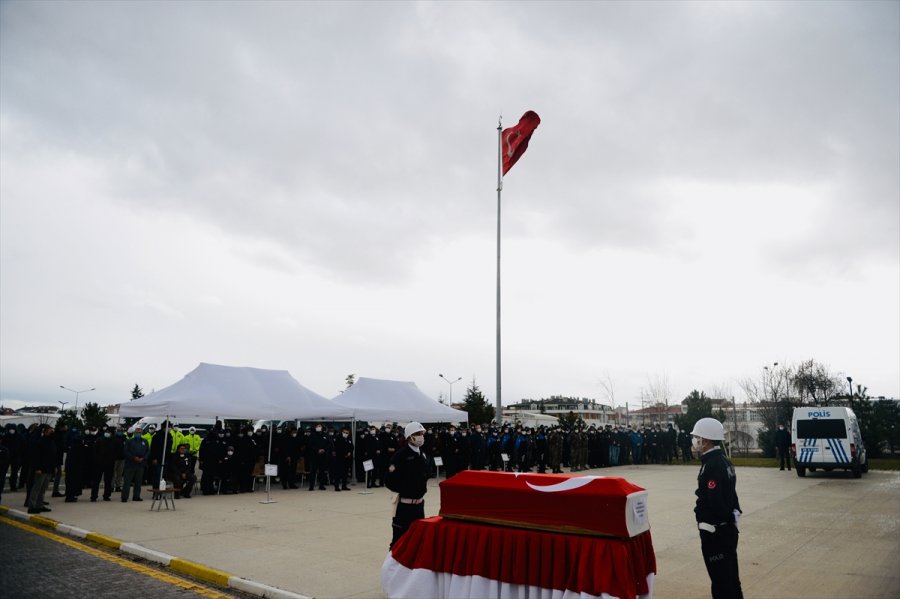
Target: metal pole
x,y
268,460
499,415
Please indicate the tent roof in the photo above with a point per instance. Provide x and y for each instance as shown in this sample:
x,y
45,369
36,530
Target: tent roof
x,y
212,390
380,400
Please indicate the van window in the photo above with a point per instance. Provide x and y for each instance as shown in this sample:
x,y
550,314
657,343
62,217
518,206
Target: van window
x,y
821,429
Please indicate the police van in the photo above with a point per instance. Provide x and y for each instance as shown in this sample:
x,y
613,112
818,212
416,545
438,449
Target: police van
x,y
827,438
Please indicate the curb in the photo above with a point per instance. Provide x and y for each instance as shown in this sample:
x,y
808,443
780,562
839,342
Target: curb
x,y
183,566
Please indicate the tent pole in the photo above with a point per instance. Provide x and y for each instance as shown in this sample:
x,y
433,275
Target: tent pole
x,y
162,467
269,459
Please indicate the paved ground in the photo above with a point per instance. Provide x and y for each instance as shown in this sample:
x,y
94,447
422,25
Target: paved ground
x,y
824,536
38,563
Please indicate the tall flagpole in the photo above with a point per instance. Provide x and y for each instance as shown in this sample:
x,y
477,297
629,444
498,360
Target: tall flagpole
x,y
499,414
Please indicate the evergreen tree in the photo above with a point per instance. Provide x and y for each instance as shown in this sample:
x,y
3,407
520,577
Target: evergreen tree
x,y
69,418
476,406
93,415
698,406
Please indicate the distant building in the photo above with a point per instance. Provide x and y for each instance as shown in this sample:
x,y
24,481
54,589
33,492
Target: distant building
x,y
591,412
38,410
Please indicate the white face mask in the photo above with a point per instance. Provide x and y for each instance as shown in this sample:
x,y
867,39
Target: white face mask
x,y
696,443
417,441
318,429
345,435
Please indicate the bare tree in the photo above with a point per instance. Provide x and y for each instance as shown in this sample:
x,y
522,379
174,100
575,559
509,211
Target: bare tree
x,y
660,390
720,391
606,383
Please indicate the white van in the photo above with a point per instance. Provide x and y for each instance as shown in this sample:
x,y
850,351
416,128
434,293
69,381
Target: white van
x,y
827,438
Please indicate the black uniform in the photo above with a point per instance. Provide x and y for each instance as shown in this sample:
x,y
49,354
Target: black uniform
x,y
783,443
181,473
317,459
717,511
341,457
407,476
104,460
4,461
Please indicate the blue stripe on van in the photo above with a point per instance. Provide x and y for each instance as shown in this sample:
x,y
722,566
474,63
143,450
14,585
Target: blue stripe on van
x,y
840,451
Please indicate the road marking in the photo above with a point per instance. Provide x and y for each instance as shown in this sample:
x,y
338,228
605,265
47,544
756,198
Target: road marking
x,y
141,569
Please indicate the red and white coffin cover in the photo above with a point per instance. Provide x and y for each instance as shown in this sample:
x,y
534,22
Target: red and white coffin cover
x,y
592,505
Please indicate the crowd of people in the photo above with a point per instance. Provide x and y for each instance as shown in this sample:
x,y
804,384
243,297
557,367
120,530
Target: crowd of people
x,y
228,460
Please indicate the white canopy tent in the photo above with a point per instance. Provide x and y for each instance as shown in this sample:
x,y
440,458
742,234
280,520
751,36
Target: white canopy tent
x,y
211,390
380,400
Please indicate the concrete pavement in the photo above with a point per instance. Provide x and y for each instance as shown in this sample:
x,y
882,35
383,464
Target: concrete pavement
x,y
823,536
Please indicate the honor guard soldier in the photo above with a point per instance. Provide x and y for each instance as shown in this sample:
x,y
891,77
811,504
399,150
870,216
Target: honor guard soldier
x,y
718,511
407,475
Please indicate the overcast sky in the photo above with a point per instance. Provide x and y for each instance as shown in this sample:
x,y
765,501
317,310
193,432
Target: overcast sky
x,y
714,187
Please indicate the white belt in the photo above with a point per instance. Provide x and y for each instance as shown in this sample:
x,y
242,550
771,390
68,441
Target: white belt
x,y
411,501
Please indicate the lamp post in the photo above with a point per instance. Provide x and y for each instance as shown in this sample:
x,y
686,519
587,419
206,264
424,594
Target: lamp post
x,y
77,393
451,385
850,384
62,406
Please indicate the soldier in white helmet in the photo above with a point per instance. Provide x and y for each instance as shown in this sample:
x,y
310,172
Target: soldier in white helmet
x,y
407,475
718,511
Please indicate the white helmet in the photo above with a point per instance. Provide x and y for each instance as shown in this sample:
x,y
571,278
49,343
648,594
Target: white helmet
x,y
412,428
709,428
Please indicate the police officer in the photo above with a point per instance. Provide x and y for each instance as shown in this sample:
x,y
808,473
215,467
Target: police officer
x,y
317,458
341,457
783,444
407,476
181,472
718,511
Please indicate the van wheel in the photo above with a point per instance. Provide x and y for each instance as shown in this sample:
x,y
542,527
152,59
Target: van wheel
x,y
865,466
856,469
801,471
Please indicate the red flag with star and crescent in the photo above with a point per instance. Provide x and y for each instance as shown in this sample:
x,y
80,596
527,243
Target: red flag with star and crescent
x,y
514,141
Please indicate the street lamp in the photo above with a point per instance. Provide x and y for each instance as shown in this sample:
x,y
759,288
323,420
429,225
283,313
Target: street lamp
x,y
850,384
62,406
77,393
451,385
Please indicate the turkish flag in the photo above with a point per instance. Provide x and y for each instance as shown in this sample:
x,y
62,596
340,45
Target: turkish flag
x,y
514,141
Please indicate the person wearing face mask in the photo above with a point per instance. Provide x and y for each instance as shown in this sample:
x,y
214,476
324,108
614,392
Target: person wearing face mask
x,y
103,461
193,440
477,448
136,451
316,457
341,455
229,472
372,450
43,464
209,455
74,465
390,443
118,448
289,455
90,470
160,451
180,472
245,450
407,475
718,511
783,444
360,443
